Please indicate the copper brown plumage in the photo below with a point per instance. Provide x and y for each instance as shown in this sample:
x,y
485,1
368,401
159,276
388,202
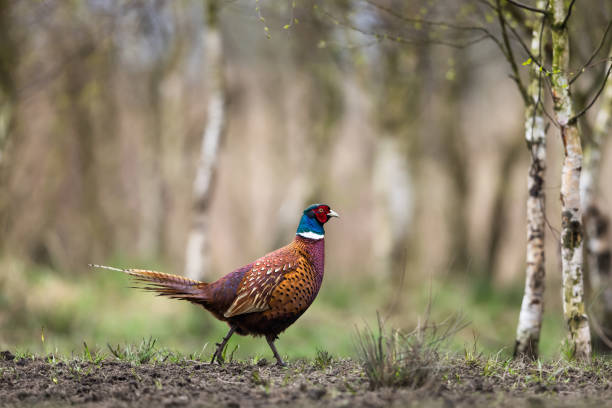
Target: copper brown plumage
x,y
262,298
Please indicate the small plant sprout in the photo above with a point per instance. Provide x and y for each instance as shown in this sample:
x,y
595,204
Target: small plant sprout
x,y
199,356
224,356
323,359
144,353
471,354
96,357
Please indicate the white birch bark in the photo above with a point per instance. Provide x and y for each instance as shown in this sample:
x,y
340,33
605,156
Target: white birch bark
x,y
579,335
197,259
596,223
530,317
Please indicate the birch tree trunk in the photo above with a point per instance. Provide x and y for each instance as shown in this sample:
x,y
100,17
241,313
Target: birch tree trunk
x,y
197,260
530,317
596,222
579,336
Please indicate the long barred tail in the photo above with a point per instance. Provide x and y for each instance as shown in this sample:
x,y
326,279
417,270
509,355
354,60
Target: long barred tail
x,y
164,284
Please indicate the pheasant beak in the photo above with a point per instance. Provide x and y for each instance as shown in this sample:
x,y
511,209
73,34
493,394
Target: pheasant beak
x,y
332,213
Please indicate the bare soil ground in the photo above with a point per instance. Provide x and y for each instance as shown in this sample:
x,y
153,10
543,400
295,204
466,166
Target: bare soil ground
x,y
465,383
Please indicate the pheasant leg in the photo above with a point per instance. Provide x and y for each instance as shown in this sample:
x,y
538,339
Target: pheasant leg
x,y
220,346
279,360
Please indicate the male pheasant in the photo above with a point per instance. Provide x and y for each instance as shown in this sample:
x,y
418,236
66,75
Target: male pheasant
x,y
262,298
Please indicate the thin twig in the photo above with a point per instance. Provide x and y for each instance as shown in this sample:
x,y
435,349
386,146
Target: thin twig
x,y
569,13
601,88
526,49
400,39
527,7
510,53
486,3
598,329
601,44
441,24
549,116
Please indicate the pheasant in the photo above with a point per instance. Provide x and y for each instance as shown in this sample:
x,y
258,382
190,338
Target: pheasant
x,y
262,298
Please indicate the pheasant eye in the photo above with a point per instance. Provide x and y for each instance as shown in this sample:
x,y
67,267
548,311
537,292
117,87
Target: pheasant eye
x,y
321,215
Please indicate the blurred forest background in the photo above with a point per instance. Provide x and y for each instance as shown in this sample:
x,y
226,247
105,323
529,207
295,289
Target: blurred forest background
x,y
416,138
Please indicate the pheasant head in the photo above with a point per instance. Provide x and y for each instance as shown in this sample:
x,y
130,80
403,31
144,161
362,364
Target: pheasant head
x,y
313,219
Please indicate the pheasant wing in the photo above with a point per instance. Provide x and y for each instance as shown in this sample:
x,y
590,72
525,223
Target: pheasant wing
x,y
253,294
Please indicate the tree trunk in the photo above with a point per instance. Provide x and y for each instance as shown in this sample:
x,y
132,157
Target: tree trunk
x,y
455,159
499,213
197,260
153,190
393,165
8,101
571,215
596,222
393,210
530,317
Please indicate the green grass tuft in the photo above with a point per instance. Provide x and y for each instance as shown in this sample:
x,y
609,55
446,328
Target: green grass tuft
x,y
391,358
144,353
323,359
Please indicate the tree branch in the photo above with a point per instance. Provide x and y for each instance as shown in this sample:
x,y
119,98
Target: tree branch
x,y
601,88
403,40
601,44
443,24
526,48
510,54
527,7
569,13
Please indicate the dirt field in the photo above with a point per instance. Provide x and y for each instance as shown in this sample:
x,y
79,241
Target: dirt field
x,y
113,383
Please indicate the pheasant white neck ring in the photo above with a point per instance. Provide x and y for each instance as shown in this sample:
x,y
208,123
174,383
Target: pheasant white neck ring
x,y
311,235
